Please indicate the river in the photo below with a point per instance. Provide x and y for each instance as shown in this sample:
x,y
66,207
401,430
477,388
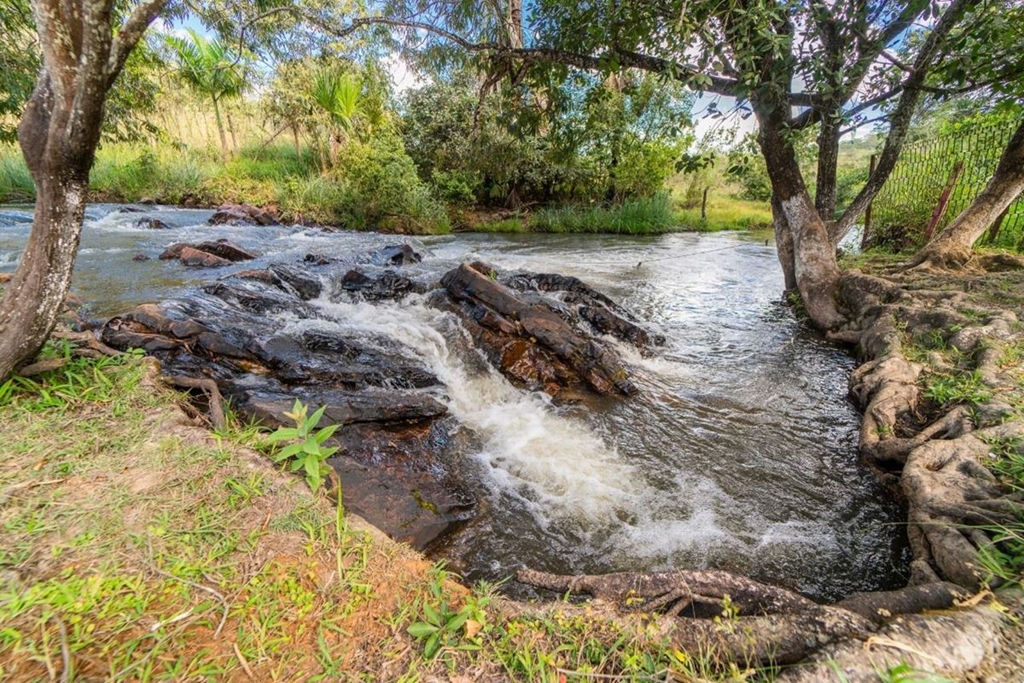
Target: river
x,y
738,452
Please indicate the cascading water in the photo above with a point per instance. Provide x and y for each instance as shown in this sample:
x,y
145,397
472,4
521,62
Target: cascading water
x,y
738,452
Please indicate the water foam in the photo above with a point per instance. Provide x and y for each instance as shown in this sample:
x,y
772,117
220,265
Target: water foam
x,y
557,466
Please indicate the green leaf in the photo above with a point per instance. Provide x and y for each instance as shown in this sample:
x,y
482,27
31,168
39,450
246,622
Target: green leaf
x,y
283,434
325,433
433,645
432,615
421,630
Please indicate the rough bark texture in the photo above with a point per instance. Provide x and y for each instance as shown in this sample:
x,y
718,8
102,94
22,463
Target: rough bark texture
x,y
815,271
58,135
951,248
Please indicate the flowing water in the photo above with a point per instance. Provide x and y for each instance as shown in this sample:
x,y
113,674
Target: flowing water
x,y
739,451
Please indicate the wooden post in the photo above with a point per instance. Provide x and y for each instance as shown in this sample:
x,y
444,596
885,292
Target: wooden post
x,y
940,208
867,211
704,205
993,232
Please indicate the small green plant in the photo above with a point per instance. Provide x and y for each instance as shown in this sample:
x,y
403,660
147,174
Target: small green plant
x,y
966,387
306,450
445,625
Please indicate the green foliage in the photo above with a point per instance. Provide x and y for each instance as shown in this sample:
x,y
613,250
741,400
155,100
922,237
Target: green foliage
x,y
384,189
306,450
571,140
446,626
962,387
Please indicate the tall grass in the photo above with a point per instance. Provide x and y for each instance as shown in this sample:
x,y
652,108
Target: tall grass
x,y
636,217
15,182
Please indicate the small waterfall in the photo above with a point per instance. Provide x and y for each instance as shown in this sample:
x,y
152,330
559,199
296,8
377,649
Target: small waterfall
x,y
557,466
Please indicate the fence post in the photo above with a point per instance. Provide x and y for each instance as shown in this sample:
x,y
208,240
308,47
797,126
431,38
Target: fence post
x,y
867,211
993,232
940,208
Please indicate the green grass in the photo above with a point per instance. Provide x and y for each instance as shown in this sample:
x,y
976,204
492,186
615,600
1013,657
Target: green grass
x,y
652,216
633,217
15,182
725,213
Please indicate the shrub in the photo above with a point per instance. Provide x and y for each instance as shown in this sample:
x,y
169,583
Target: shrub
x,y
386,191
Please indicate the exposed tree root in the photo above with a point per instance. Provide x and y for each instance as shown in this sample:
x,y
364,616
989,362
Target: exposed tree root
x,y
951,643
215,402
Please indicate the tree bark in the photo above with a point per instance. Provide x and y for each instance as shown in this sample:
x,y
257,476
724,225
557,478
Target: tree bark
x,y
815,271
828,162
952,246
58,133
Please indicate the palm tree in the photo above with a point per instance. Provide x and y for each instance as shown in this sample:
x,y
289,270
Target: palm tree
x,y
339,95
210,69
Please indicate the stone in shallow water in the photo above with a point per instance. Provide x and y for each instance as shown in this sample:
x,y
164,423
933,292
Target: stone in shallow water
x,y
538,342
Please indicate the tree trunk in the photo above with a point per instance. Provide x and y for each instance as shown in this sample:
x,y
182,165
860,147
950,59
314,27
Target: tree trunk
x,y
220,130
828,161
58,134
814,270
784,245
952,247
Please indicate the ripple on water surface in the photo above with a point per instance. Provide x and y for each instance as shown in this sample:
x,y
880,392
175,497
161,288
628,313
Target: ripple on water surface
x,y
738,453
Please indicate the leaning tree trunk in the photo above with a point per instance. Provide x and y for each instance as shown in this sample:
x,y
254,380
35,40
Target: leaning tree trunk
x,y
814,269
58,134
951,248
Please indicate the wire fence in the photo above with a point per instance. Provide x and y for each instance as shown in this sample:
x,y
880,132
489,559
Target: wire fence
x,y
957,165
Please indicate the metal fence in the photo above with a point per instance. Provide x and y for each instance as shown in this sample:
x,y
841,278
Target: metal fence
x,y
935,179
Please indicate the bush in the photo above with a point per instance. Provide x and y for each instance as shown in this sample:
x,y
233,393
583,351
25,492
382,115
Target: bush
x,y
386,191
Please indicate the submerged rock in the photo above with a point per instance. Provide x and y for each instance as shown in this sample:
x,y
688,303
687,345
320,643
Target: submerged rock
x,y
396,255
388,285
151,224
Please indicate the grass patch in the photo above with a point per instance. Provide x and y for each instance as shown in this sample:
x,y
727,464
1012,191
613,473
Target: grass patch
x,y
961,387
633,217
725,213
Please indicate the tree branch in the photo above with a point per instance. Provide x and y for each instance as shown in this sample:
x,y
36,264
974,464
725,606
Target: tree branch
x,y
130,34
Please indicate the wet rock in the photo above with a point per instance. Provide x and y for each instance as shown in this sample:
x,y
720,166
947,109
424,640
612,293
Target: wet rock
x,y
389,285
318,260
306,285
242,214
207,254
606,316
396,255
226,249
535,340
289,279
201,259
129,209
401,453
140,257
151,224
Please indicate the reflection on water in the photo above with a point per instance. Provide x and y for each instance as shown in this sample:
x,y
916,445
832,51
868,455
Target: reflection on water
x,y
738,453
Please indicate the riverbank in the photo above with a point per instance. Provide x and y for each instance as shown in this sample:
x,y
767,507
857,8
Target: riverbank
x,y
379,195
